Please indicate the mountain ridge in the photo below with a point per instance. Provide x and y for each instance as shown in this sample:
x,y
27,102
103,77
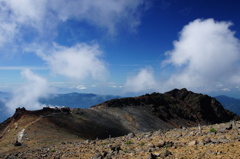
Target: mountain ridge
x,y
113,118
178,106
173,100
85,100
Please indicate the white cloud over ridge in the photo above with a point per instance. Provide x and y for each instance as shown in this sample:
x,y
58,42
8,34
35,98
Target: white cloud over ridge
x,y
27,95
207,54
142,81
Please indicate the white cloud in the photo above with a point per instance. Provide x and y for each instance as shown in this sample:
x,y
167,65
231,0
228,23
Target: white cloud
x,y
114,86
105,13
205,58
26,11
78,62
8,32
20,17
207,53
81,87
226,89
27,95
43,16
8,28
143,81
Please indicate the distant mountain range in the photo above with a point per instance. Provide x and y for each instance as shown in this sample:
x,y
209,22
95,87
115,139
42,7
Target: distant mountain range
x,y
76,100
229,103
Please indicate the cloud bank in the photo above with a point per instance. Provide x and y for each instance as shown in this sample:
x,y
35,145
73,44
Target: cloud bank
x,y
205,58
28,95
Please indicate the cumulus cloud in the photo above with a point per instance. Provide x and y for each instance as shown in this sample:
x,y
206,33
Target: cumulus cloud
x,y
143,81
27,95
78,62
206,56
207,53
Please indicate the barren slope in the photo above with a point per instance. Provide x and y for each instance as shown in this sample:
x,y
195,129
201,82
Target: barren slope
x,y
212,141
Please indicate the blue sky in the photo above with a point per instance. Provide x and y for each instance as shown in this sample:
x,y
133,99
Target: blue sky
x,y
118,47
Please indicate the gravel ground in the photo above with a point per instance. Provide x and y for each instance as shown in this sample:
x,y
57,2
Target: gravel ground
x,y
212,141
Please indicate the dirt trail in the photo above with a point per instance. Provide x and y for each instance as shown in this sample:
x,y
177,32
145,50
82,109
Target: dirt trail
x,y
21,133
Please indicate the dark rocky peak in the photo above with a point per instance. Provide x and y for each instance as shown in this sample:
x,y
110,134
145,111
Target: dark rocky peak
x,y
147,99
42,112
19,112
122,102
178,103
179,93
17,115
154,98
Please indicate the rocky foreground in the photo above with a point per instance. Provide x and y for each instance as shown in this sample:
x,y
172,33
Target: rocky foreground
x,y
212,141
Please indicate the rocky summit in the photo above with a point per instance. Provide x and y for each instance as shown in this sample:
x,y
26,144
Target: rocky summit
x,y
173,125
